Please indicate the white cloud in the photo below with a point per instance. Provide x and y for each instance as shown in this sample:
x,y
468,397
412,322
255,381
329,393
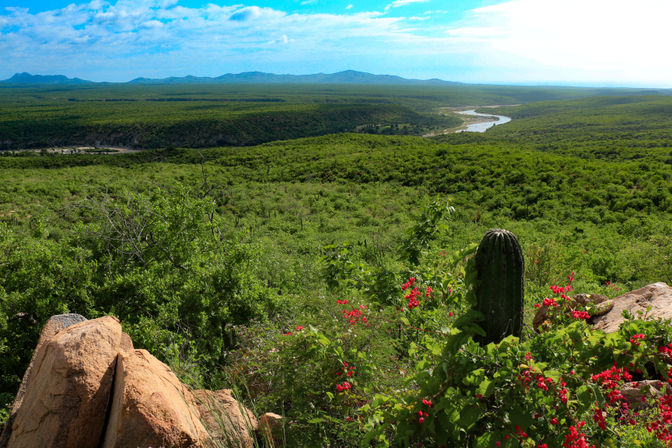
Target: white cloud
x,y
513,41
159,35
573,40
398,3
348,7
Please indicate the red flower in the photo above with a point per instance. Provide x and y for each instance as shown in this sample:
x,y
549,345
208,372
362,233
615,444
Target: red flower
x,y
343,387
550,302
636,337
580,315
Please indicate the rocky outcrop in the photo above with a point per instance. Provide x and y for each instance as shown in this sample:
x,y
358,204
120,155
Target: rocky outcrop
x,y
68,390
639,394
87,387
150,407
227,422
53,326
270,430
650,302
603,306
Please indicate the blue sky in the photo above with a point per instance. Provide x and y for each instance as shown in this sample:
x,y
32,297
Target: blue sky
x,y
581,42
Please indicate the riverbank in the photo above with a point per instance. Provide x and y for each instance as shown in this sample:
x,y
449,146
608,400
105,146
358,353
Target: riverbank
x,y
66,150
477,122
472,120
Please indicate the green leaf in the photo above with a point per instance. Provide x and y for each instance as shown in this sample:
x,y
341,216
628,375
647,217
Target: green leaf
x,y
553,374
488,440
520,417
469,417
486,387
452,414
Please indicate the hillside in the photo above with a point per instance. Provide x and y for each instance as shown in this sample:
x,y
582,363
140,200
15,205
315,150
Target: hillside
x,y
194,115
267,268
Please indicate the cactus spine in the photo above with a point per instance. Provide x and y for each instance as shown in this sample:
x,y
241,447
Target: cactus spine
x,y
500,286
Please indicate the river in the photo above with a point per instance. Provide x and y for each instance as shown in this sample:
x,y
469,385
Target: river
x,y
482,126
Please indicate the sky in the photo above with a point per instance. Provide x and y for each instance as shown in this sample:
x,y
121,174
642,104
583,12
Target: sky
x,y
568,42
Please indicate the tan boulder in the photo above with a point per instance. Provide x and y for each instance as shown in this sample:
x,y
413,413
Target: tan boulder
x,y
68,387
657,297
600,302
53,326
229,423
150,407
639,394
271,429
87,387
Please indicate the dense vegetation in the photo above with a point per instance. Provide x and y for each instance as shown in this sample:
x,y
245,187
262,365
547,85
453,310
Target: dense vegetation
x,y
212,257
153,116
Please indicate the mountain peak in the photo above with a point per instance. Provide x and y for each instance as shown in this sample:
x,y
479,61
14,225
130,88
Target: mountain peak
x,y
27,78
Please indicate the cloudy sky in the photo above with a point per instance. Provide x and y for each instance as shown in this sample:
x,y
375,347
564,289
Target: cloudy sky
x,y
582,42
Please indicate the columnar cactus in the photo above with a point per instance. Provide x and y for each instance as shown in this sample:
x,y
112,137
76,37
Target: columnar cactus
x,y
499,288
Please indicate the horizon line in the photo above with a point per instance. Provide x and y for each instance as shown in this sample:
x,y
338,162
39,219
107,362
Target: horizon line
x,y
538,83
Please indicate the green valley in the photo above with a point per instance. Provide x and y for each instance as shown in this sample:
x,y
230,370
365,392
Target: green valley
x,y
252,210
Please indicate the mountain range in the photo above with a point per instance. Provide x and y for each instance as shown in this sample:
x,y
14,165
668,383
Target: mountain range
x,y
344,77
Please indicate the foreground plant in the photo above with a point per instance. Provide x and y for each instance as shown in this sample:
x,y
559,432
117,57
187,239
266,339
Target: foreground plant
x,y
558,389
500,266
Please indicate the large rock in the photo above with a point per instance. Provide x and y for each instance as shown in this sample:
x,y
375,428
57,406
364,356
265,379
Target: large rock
x,y
645,393
68,389
53,326
87,387
228,423
541,320
150,407
271,430
657,297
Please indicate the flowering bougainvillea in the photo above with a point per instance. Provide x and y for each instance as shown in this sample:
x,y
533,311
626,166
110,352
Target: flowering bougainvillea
x,y
558,389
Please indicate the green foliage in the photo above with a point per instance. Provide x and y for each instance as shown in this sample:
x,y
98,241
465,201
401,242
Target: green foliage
x,y
164,116
432,214
211,258
161,262
527,392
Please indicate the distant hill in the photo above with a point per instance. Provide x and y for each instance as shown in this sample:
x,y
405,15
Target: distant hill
x,y
345,77
27,78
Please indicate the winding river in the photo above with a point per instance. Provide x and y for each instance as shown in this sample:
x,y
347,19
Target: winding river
x,y
483,125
